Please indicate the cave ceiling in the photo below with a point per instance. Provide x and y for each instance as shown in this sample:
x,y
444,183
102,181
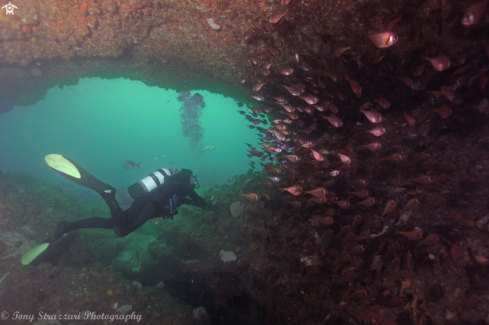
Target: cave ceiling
x,y
184,44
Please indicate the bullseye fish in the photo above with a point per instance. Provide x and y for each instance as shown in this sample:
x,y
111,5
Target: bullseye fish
x,y
131,165
474,13
383,40
252,197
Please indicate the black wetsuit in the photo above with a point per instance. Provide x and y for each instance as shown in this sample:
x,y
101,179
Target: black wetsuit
x,y
152,205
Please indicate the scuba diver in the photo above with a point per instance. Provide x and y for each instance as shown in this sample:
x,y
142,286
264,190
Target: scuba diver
x,y
158,195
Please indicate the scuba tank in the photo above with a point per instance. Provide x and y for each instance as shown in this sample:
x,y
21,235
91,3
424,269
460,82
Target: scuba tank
x,y
149,183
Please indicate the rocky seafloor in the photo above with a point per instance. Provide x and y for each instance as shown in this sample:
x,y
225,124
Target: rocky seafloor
x,y
163,272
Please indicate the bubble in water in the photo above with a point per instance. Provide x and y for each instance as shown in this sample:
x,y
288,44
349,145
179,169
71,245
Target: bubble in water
x,y
190,114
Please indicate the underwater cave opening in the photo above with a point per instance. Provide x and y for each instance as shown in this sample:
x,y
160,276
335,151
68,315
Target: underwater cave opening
x,y
102,123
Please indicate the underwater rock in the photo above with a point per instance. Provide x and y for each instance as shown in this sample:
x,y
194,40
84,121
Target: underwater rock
x,y
227,256
212,24
14,242
129,261
199,312
236,209
124,309
160,285
137,284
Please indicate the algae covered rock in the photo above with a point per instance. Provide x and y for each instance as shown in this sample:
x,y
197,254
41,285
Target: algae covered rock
x,y
236,209
227,256
130,260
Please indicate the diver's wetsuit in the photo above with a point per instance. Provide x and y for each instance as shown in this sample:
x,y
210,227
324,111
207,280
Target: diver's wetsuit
x,y
152,205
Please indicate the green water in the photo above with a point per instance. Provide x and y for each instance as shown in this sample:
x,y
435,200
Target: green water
x,y
102,123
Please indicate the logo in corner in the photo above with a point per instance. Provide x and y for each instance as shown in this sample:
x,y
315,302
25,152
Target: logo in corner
x,y
9,9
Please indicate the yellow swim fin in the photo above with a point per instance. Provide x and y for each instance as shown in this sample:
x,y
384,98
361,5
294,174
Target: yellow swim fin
x,y
33,253
63,165
75,173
